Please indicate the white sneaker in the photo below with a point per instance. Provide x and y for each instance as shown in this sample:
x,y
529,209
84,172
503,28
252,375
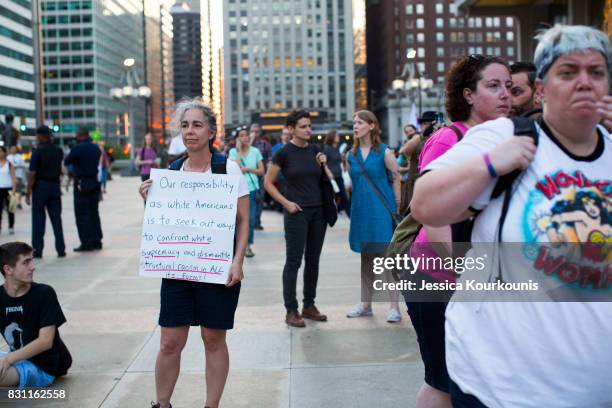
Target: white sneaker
x,y
394,316
359,311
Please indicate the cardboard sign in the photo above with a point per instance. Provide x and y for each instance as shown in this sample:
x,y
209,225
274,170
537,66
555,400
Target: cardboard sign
x,y
188,227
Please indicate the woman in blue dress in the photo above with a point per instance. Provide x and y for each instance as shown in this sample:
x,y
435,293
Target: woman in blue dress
x,y
371,220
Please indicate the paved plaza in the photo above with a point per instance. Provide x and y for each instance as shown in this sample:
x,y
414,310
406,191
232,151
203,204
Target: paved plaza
x,y
113,335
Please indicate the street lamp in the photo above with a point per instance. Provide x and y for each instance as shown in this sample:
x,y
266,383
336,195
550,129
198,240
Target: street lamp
x,y
129,90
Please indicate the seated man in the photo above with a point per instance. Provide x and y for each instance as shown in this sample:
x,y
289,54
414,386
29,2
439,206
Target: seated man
x,y
29,317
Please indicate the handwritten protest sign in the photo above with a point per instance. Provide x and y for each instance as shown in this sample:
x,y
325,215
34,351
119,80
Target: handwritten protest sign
x,y
188,226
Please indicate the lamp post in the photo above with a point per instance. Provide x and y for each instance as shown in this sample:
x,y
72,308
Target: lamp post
x,y
129,91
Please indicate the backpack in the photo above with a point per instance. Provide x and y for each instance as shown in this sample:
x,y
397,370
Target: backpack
x,y
218,163
407,230
413,172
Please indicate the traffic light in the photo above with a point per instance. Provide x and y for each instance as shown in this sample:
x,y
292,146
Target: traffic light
x,y
56,125
23,126
56,128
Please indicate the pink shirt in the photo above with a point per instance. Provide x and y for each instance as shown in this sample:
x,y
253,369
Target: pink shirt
x,y
438,144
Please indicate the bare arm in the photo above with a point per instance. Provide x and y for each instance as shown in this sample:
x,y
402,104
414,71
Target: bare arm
x,y
43,342
391,165
410,146
270,178
259,171
443,196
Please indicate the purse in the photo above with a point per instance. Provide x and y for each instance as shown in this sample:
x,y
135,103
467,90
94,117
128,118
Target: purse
x,y
395,217
12,203
330,210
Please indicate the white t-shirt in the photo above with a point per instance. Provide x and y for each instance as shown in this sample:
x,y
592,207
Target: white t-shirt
x,y
177,147
535,354
19,164
234,170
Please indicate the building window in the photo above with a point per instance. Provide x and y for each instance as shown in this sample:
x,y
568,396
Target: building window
x,y
496,21
440,37
410,38
409,9
509,22
439,8
439,22
510,36
421,52
478,22
420,23
453,22
440,67
420,9
511,51
489,22
421,37
440,52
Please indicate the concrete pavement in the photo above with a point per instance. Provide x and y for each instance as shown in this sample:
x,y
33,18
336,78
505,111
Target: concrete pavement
x,y
113,335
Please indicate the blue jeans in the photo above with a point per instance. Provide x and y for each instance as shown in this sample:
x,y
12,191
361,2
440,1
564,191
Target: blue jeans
x,y
252,215
459,399
259,202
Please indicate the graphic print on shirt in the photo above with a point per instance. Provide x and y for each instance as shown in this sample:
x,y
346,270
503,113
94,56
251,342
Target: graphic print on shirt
x,y
566,208
12,335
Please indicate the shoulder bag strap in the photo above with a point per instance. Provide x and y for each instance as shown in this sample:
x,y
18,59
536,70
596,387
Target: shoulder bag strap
x,y
376,190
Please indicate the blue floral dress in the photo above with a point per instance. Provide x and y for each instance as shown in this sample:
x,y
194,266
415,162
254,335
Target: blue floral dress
x,y
370,220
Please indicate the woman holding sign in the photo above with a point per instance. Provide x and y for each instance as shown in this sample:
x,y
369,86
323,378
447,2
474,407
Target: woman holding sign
x,y
250,160
184,303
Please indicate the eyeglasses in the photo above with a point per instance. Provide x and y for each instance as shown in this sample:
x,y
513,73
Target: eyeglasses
x,y
477,57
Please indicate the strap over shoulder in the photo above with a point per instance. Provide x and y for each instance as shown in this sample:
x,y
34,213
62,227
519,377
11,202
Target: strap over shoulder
x,y
218,163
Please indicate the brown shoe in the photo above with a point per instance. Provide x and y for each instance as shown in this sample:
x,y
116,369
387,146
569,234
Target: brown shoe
x,y
313,313
294,319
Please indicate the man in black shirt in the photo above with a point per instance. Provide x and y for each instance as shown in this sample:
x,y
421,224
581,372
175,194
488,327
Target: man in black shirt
x,y
84,158
30,315
44,187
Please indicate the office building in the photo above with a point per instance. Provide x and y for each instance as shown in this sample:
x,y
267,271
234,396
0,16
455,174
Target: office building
x,y
187,52
280,55
17,63
84,46
159,74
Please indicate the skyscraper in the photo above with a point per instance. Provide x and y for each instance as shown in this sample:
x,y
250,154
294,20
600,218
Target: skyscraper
x,y
16,62
280,55
187,51
159,67
84,46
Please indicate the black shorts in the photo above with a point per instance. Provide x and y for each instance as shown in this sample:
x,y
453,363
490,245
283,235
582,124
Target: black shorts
x,y
428,322
185,303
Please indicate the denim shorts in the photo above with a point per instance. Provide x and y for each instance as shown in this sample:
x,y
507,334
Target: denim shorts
x,y
30,375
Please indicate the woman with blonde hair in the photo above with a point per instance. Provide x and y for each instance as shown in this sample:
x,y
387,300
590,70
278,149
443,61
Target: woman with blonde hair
x,y
375,199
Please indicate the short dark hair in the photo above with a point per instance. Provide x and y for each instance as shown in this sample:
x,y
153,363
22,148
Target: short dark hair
x,y
411,126
10,253
465,73
82,131
295,116
9,117
527,67
44,131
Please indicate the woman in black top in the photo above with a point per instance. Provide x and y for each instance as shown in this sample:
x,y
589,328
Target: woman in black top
x,y
300,164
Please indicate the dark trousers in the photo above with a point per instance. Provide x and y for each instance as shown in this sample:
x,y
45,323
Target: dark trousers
x,y
304,235
47,196
259,202
4,203
87,217
345,203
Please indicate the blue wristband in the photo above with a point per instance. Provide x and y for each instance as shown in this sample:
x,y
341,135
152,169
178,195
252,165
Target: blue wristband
x,y
490,167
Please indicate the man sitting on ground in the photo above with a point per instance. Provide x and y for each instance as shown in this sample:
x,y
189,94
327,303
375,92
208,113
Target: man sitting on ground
x,y
30,315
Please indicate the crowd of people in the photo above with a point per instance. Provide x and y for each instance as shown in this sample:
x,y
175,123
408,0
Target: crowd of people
x,y
486,354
